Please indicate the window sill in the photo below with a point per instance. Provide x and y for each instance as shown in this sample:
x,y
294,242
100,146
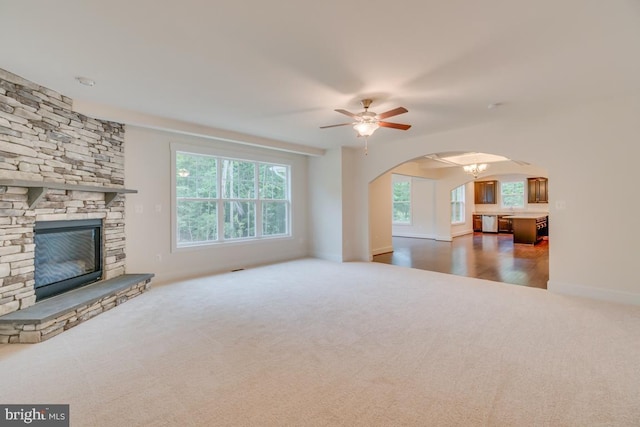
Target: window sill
x,y
233,242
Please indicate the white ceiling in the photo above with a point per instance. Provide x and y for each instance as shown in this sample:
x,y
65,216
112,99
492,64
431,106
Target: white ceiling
x,y
277,69
455,159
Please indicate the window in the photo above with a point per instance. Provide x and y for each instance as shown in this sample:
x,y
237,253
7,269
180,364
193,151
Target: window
x,y
401,200
196,198
274,184
457,205
220,199
512,194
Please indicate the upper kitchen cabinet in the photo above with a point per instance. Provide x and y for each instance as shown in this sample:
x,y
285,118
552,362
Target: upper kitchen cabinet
x,y
538,190
485,192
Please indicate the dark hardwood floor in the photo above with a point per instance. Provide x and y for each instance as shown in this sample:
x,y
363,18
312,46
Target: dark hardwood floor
x,y
481,255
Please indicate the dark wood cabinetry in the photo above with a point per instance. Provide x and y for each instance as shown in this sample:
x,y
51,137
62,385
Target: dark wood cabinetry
x,y
530,230
485,192
505,225
477,223
538,190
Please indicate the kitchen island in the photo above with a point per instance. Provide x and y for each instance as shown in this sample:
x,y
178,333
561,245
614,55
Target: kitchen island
x,y
529,228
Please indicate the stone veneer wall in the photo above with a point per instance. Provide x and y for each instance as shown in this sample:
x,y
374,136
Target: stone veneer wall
x,y
43,139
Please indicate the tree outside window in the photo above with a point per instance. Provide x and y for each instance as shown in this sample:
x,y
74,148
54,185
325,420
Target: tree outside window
x,y
196,198
243,199
238,182
512,194
273,193
401,200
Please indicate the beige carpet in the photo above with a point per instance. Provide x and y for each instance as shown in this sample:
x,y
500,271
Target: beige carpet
x,y
315,343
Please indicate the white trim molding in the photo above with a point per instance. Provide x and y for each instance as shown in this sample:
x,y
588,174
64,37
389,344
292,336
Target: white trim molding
x,y
414,235
611,295
150,121
383,250
461,233
328,256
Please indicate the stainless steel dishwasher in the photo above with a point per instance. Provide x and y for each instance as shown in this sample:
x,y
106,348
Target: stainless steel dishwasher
x,y
489,223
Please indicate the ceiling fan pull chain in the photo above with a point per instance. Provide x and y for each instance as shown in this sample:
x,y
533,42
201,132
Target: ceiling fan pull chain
x,y
366,146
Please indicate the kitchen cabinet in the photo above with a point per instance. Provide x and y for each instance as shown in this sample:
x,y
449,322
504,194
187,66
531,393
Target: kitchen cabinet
x,y
538,190
477,223
485,192
505,225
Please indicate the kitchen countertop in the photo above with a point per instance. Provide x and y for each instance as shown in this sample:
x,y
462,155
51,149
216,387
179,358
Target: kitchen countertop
x,y
527,216
512,214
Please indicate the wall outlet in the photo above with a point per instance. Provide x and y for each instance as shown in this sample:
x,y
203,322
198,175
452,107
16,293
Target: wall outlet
x,y
158,208
159,257
139,208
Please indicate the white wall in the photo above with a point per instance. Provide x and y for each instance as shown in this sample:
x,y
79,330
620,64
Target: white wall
x,y
590,152
469,207
148,213
422,210
380,214
353,198
325,205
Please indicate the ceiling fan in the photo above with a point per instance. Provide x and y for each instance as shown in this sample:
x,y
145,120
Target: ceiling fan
x,y
366,122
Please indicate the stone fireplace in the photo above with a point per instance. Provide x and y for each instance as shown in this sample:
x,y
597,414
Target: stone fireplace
x,y
57,167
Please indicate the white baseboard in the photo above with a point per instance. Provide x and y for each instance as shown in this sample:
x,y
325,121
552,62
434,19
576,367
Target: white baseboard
x,y
444,238
383,250
327,256
461,233
414,235
611,295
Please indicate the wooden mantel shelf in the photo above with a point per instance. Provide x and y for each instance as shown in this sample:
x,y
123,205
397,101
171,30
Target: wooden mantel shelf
x,y
37,189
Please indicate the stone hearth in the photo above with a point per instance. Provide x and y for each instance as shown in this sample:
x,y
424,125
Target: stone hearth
x,y
55,315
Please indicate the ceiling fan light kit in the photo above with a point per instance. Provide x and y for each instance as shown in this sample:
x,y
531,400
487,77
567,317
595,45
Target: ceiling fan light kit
x,y
366,128
367,122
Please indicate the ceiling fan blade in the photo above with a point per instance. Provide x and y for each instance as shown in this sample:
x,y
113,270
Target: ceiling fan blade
x,y
394,125
347,113
333,126
394,112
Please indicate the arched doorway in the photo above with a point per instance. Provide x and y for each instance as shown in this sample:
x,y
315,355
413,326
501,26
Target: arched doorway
x,y
431,238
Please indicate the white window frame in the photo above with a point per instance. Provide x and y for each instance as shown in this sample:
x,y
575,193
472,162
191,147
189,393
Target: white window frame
x,y
524,189
460,192
220,156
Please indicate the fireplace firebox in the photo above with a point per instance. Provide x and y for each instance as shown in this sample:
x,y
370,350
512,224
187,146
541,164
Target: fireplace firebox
x,y
68,255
